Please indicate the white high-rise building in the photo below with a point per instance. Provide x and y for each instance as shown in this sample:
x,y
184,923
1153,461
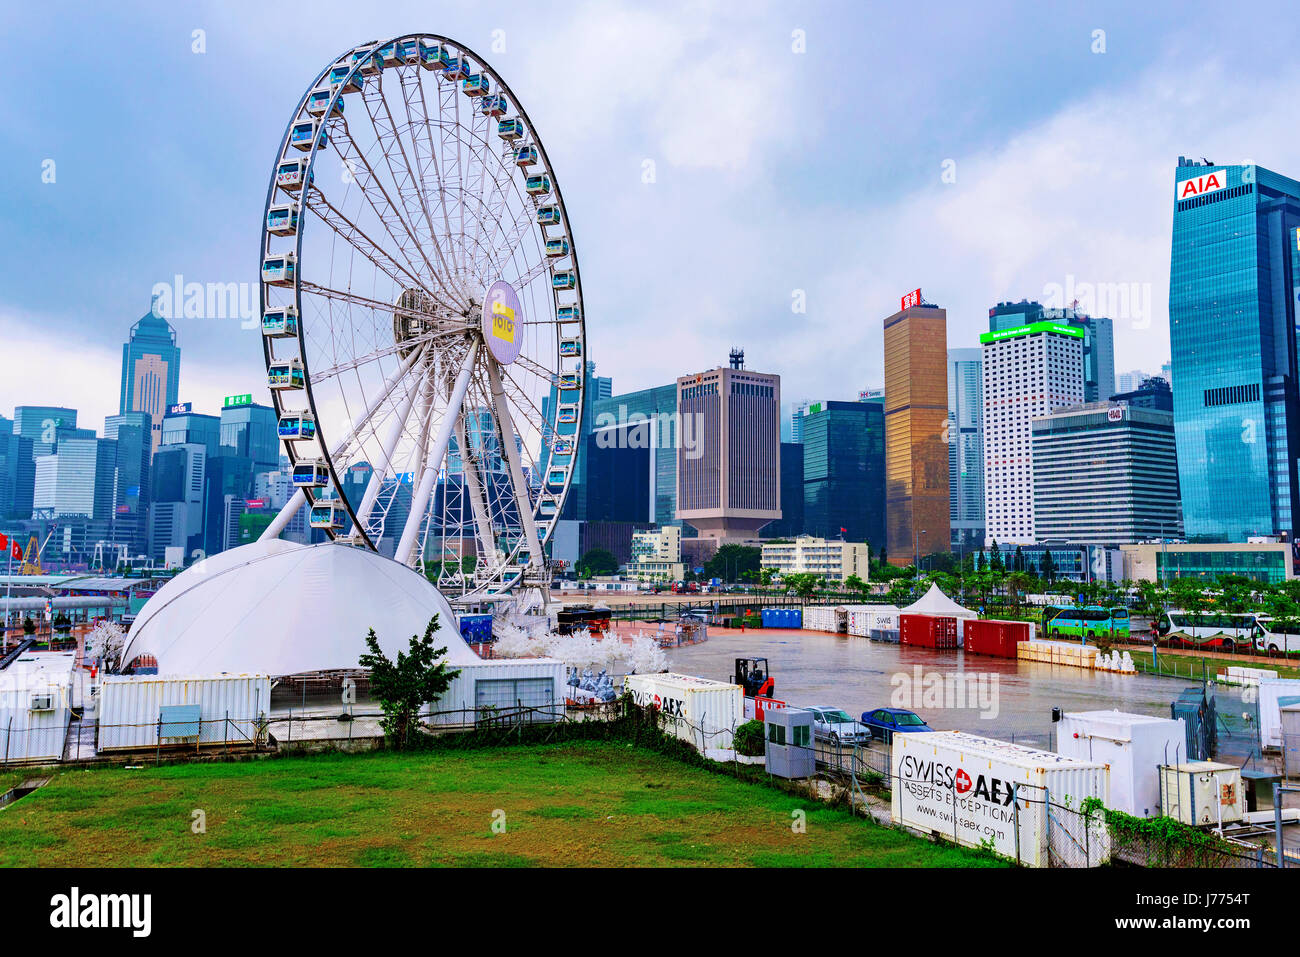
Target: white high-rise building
x,y
1029,371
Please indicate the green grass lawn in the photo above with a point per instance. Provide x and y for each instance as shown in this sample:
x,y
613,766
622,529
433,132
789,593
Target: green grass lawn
x,y
587,803
1189,666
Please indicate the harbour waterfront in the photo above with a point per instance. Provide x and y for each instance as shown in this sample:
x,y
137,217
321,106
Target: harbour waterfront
x,y
816,668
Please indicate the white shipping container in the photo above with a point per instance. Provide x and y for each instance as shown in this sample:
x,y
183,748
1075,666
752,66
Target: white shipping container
x,y
506,684
230,706
1135,746
1270,718
1202,792
35,706
823,618
863,619
961,786
705,713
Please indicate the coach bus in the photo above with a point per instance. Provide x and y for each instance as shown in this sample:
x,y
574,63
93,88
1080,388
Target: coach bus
x,y
1228,631
1085,621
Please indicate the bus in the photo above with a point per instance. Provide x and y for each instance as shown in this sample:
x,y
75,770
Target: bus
x,y
1226,631
1085,621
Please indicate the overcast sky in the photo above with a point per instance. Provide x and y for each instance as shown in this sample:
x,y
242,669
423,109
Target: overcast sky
x,y
982,152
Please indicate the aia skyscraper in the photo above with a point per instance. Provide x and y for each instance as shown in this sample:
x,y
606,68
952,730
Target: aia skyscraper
x,y
1234,283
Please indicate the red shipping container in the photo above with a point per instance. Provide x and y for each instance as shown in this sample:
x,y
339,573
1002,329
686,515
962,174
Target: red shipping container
x,y
927,631
996,638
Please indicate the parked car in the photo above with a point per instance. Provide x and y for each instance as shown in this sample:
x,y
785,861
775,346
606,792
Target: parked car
x,y
835,725
883,722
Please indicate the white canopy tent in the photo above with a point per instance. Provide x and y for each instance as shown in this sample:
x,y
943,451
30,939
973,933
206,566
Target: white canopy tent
x,y
935,602
280,608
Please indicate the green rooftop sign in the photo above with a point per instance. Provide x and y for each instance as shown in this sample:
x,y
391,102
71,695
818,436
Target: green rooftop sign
x,y
246,399
1030,329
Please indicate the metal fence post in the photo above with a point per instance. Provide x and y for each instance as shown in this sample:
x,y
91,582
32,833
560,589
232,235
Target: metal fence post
x,y
9,733
1277,823
1015,815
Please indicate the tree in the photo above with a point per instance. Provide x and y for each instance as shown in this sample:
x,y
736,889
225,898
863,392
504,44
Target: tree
x,y
29,626
803,584
730,562
855,584
106,642
404,686
597,561
1047,569
995,558
765,577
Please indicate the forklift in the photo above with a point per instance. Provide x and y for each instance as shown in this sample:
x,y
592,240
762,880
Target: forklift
x,y
754,676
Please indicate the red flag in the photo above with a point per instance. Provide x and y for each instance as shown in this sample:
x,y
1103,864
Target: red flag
x,y
15,551
4,543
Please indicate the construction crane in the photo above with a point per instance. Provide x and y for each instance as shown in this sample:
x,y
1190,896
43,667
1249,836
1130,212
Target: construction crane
x,y
32,556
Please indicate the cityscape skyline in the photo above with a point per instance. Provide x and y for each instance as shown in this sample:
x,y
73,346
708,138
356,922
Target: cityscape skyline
x,y
988,235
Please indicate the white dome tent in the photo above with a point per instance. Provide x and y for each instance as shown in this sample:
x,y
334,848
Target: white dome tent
x,y
279,608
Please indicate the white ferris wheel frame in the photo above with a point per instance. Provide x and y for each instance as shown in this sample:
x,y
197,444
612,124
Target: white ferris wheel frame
x,y
450,337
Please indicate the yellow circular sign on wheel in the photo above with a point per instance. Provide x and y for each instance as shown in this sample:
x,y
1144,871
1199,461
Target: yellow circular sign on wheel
x,y
502,322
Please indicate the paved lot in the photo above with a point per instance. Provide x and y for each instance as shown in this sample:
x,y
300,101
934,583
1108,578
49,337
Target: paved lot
x,y
813,668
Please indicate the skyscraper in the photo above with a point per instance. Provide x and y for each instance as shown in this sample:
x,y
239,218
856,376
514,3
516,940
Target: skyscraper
x,y
1105,474
42,424
181,426
729,477
966,448
595,388
17,472
916,412
656,407
1098,340
133,433
151,369
791,522
1234,277
844,472
248,429
1029,372
78,479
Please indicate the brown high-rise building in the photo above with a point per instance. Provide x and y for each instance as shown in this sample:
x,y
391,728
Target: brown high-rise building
x,y
729,455
916,416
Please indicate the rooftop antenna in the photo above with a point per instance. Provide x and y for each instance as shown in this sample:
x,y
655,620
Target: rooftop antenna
x,y
737,358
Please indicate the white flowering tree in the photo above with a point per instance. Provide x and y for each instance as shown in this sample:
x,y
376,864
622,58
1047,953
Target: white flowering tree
x,y
106,642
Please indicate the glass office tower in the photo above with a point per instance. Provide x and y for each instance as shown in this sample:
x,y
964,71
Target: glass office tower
x,y
1233,283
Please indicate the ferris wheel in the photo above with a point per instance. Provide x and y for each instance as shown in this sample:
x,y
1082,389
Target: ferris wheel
x,y
422,318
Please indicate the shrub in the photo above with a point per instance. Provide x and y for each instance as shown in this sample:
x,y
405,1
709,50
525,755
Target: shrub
x,y
749,739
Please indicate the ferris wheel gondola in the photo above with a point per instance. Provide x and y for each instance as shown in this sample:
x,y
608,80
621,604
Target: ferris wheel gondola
x,y
422,316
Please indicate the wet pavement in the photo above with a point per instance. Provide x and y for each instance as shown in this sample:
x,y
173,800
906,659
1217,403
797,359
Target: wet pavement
x,y
815,668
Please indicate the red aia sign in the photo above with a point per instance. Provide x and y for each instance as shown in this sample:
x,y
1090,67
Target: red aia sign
x,y
1206,183
913,298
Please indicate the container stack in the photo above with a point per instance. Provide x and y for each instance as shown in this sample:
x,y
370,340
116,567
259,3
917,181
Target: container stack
x,y
927,631
996,638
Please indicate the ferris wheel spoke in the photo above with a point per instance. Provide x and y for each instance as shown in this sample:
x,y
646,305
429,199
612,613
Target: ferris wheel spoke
x,y
405,177
411,86
355,237
394,223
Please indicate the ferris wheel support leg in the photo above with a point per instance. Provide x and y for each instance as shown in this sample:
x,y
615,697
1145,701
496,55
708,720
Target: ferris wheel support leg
x,y
507,426
299,497
478,505
420,502
296,501
380,466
